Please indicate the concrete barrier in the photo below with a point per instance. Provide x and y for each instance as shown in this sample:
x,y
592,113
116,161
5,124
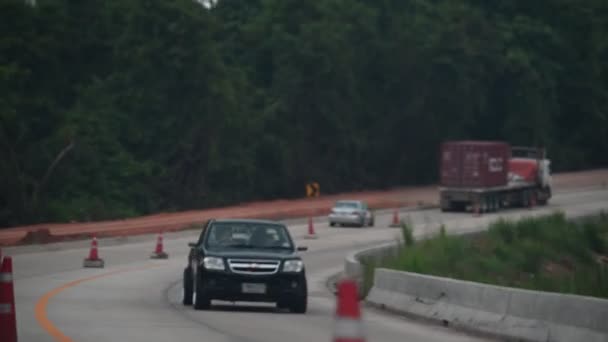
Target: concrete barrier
x,y
352,264
508,313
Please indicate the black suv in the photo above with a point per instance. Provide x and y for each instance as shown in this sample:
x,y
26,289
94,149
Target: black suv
x,y
245,260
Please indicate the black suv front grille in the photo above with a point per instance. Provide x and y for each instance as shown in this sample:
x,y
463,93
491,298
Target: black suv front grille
x,y
251,266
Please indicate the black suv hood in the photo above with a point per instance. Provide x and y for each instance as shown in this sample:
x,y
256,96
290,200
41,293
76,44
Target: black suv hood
x,y
277,254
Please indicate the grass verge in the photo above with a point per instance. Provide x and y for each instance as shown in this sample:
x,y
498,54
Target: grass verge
x,y
548,253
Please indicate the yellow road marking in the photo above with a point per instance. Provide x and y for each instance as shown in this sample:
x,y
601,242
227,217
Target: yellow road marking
x,y
43,302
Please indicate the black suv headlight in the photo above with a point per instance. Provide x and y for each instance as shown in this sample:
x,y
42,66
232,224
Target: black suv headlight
x,y
293,266
213,263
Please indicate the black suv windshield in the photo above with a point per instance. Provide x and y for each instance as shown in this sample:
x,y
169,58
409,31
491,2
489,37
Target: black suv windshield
x,y
224,235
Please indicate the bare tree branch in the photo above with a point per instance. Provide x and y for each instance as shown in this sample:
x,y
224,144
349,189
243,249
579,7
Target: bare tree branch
x,y
50,170
56,161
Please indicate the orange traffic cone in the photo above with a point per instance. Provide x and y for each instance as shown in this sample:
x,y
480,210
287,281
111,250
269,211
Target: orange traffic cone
x,y
311,229
347,325
8,318
395,222
158,252
93,260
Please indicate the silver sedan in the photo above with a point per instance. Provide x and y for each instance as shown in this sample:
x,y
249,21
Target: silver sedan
x,y
351,212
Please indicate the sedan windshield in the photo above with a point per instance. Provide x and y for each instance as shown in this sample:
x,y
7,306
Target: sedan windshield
x,y
345,204
248,235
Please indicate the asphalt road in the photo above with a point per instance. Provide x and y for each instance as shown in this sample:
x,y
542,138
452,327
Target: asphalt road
x,y
135,298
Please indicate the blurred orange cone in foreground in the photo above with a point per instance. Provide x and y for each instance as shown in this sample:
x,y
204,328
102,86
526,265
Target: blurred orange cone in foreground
x,y
8,318
347,325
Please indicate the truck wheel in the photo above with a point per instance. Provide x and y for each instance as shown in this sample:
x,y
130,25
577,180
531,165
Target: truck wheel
x,y
446,206
497,203
525,199
188,284
542,196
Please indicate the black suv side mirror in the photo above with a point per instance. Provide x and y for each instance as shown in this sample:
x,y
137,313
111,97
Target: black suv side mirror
x,y
302,248
192,244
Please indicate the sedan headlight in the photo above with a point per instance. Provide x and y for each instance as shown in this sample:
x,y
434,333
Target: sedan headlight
x,y
293,266
213,263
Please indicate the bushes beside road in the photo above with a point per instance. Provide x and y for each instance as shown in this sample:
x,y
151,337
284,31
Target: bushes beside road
x,y
548,253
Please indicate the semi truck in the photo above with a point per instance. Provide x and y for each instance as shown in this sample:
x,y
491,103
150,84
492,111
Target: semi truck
x,y
486,176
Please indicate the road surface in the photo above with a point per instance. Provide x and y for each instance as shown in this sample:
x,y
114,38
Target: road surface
x,y
135,298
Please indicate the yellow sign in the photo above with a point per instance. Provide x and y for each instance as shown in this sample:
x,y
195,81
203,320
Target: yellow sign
x,y
313,189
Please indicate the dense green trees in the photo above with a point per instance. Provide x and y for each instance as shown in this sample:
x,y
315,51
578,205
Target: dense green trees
x,y
118,108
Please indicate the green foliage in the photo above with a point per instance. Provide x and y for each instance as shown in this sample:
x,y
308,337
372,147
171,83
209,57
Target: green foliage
x,y
595,233
546,253
123,108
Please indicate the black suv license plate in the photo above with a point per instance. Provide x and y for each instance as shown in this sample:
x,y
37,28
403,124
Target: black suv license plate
x,y
253,288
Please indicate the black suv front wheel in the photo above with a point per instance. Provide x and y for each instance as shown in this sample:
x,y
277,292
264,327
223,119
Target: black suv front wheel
x,y
188,286
201,300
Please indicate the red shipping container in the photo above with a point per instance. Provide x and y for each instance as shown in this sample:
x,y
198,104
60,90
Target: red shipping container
x,y
479,164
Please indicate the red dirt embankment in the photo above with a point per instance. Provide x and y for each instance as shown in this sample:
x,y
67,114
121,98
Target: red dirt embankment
x,y
279,209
